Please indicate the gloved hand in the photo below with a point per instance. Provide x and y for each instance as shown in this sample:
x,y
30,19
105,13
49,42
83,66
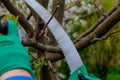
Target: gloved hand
x,y
12,53
81,74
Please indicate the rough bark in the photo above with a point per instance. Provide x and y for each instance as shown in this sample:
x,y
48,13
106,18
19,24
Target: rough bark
x,y
22,20
45,71
60,12
92,28
59,16
103,28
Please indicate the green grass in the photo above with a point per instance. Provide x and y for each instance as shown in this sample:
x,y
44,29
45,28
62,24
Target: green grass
x,y
113,77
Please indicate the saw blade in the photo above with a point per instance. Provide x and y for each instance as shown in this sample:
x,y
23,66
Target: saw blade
x,y
71,55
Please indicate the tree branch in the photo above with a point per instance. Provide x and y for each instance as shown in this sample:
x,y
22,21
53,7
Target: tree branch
x,y
32,42
105,24
103,28
45,26
99,10
60,12
76,3
91,29
106,36
29,16
10,6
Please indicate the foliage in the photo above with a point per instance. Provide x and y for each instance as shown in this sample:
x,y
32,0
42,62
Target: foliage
x,y
76,20
11,17
113,73
113,77
107,5
103,52
64,69
37,65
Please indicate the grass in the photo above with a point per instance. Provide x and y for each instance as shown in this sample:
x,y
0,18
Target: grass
x,y
113,77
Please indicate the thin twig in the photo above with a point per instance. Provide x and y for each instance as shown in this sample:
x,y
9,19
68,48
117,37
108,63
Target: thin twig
x,y
99,10
44,27
77,3
106,36
91,29
33,56
29,15
53,70
50,18
51,67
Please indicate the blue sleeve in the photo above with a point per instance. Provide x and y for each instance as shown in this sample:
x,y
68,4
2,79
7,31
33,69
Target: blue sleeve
x,y
20,78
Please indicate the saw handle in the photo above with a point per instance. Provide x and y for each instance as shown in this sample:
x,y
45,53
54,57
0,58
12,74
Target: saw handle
x,y
4,27
5,30
81,76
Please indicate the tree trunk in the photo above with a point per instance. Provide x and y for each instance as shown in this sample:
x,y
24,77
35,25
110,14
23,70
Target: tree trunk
x,y
45,73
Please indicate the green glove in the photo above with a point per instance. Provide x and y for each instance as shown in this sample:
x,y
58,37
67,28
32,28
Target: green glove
x,y
84,74
12,53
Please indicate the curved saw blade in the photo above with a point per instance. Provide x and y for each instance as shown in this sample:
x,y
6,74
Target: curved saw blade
x,y
71,55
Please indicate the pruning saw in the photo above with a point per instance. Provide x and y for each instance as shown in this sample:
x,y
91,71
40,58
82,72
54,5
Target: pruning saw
x,y
77,68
